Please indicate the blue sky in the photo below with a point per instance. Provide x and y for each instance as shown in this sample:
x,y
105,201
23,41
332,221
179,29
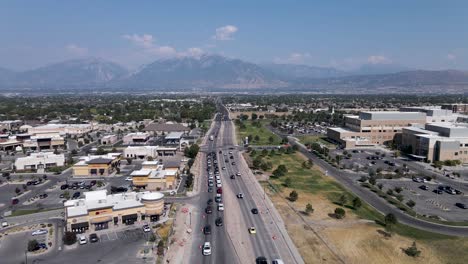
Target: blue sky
x,y
344,34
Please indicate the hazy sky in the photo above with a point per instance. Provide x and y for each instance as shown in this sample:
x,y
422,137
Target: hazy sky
x,y
344,34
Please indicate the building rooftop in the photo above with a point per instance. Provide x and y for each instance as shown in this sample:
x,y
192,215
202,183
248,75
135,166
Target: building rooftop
x,y
174,135
166,127
391,115
99,199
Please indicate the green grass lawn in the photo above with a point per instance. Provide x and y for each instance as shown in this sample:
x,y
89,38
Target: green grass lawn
x,y
262,132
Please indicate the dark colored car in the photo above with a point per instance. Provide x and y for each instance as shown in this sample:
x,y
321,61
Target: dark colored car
x,y
208,210
64,187
93,182
210,201
207,230
93,238
424,187
219,221
219,190
14,201
438,191
43,196
254,211
233,177
218,199
461,205
210,189
29,183
76,195
261,260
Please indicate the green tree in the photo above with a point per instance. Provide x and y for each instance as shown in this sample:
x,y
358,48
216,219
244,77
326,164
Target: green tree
x,y
309,209
340,213
357,203
411,203
69,238
390,222
254,116
372,180
33,245
257,162
271,139
293,196
257,138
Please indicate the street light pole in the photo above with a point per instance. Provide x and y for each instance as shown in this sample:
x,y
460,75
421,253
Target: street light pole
x,y
190,218
26,256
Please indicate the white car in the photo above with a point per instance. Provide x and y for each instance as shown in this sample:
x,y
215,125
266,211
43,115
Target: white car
x,y
207,249
39,232
220,207
128,179
240,195
146,228
82,240
218,181
4,224
219,185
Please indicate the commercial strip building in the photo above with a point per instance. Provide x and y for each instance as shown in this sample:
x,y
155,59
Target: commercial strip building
x,y
456,108
138,138
96,165
142,152
165,128
434,114
10,125
61,129
32,142
373,128
98,210
154,177
41,160
437,142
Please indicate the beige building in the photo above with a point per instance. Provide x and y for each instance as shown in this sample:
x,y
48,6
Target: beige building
x,y
98,210
373,128
437,142
154,177
96,165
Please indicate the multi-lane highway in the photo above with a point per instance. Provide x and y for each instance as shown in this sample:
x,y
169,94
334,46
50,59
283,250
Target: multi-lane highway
x,y
232,242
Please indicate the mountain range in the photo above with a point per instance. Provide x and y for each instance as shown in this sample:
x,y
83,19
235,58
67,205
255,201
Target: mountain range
x,y
218,73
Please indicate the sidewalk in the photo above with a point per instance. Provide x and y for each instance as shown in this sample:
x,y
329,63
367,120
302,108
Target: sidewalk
x,y
180,242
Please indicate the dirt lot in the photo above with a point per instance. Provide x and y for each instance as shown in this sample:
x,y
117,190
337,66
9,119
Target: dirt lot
x,y
321,238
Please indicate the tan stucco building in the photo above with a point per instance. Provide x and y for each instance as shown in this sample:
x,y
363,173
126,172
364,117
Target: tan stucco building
x,y
155,177
99,211
96,165
373,128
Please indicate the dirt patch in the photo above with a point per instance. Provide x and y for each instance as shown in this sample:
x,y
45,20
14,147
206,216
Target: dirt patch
x,y
323,239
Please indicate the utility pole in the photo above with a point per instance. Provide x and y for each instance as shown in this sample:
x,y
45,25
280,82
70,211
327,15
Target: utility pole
x,y
26,256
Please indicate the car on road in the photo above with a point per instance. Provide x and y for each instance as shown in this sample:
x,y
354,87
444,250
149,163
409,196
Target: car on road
x,y
261,260
206,249
39,232
82,240
146,228
220,207
207,230
254,211
224,168
240,195
461,205
233,163
238,174
252,230
93,238
128,179
219,221
277,261
208,210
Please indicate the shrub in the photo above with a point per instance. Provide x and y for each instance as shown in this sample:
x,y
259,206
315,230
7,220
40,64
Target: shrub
x,y
309,209
69,238
33,245
293,196
357,203
412,251
340,213
411,203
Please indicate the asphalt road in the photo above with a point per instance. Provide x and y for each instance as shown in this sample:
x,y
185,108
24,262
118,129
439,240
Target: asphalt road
x,y
222,249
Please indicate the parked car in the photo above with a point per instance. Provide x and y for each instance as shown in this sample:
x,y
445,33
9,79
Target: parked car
x,y
128,179
424,187
93,238
461,205
39,232
82,240
43,196
146,228
76,195
277,261
14,201
220,207
64,187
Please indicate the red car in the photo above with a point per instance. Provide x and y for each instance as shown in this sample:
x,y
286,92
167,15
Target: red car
x,y
220,190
